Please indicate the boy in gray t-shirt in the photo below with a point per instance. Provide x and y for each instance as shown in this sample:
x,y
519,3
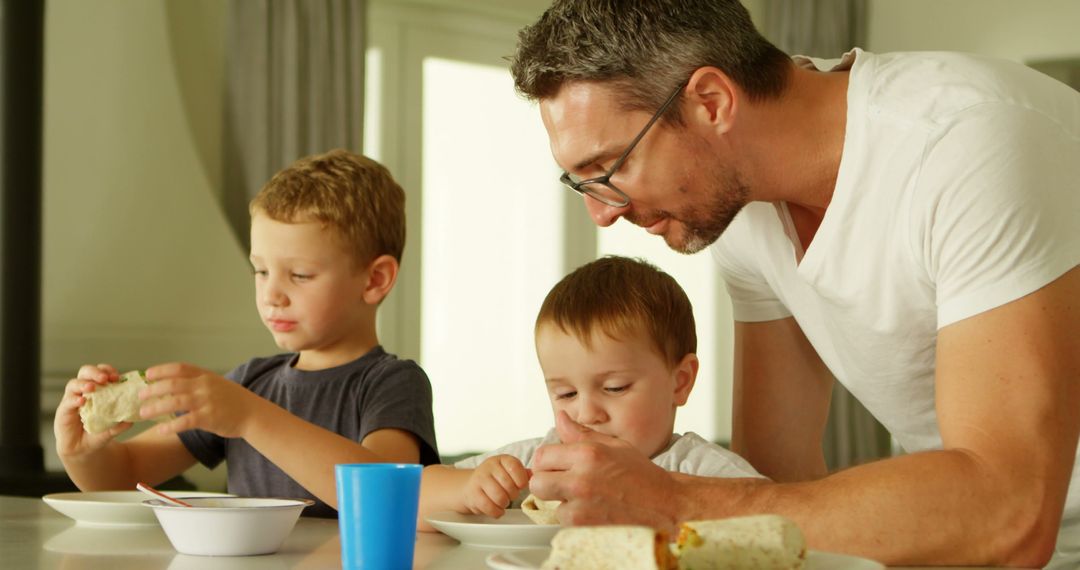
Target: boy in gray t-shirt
x,y
616,341
327,235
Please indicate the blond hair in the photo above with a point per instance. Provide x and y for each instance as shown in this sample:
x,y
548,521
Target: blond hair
x,y
618,296
350,193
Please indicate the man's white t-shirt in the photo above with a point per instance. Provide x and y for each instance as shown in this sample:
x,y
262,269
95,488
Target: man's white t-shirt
x,y
958,191
688,453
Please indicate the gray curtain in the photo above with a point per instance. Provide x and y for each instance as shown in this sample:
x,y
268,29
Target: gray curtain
x,y
817,28
294,86
827,29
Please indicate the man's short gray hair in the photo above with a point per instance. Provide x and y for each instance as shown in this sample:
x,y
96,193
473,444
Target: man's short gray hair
x,y
644,49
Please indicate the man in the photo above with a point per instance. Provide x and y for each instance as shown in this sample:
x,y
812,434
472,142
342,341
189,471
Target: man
x,y
905,223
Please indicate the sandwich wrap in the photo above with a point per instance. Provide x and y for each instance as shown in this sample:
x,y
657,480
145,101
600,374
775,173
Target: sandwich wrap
x,y
539,510
610,548
760,542
115,402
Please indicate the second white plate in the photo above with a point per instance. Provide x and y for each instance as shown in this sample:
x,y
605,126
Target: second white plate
x,y
512,530
111,508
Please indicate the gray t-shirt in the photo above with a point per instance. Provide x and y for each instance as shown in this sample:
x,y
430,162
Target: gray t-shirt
x,y
376,391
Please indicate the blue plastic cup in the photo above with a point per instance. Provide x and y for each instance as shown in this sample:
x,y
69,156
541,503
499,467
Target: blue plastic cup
x,y
377,505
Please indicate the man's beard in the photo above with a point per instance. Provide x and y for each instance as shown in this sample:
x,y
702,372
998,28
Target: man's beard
x,y
703,223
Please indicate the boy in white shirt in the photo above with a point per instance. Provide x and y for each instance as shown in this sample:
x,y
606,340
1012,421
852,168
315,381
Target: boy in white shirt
x,y
616,341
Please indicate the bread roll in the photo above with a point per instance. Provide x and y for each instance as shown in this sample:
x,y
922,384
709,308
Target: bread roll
x,y
539,510
113,403
610,548
761,542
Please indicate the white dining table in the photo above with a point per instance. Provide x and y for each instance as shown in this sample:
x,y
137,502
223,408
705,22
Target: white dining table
x,y
33,535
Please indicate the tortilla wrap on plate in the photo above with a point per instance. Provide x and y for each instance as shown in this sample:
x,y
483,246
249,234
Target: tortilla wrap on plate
x,y
760,542
539,510
610,548
115,402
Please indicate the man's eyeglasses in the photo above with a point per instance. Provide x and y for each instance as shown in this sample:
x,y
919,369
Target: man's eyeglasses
x,y
601,188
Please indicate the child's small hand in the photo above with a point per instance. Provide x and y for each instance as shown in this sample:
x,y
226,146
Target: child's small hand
x,y
494,484
207,400
72,441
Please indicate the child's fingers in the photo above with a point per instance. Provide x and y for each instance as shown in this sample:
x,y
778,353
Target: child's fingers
x,y
507,482
156,406
517,472
69,403
496,492
67,413
100,373
119,429
74,388
485,506
181,423
477,502
173,370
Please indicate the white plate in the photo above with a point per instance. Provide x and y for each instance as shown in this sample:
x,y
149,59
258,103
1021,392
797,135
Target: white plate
x,y
111,508
815,560
512,530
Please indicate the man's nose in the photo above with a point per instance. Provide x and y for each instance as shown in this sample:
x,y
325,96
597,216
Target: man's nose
x,y
602,214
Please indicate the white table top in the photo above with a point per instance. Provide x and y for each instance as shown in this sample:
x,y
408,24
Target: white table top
x,y
33,535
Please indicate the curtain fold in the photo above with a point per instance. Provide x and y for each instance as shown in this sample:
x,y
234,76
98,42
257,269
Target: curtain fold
x,y
827,29
294,86
816,28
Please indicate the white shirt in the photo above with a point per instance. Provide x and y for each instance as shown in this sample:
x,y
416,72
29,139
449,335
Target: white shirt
x,y
687,453
958,191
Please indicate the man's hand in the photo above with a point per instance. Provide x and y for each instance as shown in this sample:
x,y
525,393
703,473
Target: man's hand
x,y
211,402
603,480
494,484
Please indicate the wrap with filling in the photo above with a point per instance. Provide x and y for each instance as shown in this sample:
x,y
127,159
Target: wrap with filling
x,y
610,548
115,402
760,542
539,510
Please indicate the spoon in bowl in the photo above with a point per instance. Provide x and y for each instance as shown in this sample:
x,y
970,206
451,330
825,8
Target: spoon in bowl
x,y
159,495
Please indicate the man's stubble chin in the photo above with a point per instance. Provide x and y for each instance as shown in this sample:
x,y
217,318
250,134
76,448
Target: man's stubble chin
x,y
704,224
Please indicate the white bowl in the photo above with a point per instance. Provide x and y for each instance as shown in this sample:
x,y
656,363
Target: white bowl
x,y
228,526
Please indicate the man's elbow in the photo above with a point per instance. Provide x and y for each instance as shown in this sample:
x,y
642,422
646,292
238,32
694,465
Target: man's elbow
x,y
1028,536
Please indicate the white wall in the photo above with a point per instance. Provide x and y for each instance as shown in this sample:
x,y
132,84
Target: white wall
x,y
1010,29
139,266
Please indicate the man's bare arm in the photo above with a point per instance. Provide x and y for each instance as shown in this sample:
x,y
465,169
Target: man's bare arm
x,y
1008,403
781,401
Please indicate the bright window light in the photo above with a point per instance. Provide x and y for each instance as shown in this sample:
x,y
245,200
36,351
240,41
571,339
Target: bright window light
x,y
492,248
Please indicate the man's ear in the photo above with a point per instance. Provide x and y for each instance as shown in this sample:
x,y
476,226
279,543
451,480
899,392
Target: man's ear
x,y
712,98
685,375
381,276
